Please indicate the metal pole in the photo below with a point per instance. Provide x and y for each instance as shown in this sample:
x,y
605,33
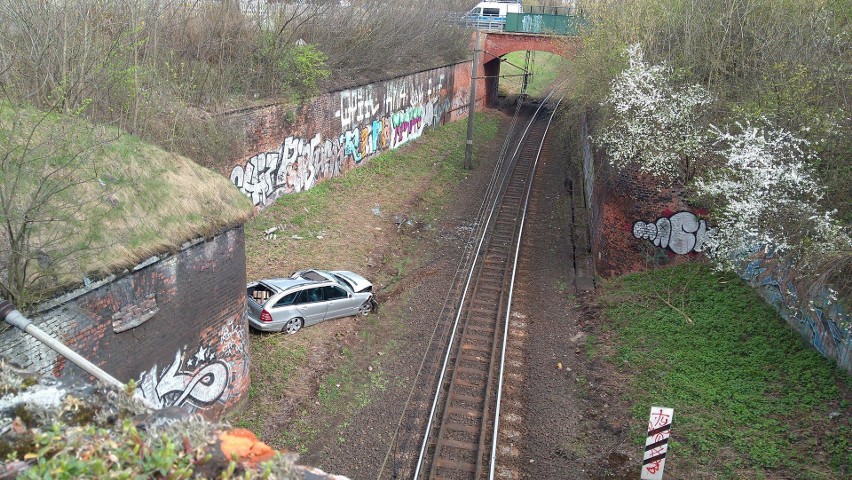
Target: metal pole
x,y
468,151
15,318
526,80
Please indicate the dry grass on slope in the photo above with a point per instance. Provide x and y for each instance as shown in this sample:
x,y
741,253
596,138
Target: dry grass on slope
x,y
78,200
166,199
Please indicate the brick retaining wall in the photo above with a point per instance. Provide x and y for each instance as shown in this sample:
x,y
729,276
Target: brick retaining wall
x,y
176,325
292,148
635,225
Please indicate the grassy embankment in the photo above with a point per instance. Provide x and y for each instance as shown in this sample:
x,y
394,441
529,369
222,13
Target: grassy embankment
x,y
545,69
346,223
110,200
750,400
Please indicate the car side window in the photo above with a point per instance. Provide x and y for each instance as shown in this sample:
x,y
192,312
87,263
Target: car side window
x,y
288,299
311,295
333,293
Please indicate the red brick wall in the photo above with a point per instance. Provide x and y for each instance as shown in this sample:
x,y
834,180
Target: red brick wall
x,y
498,44
189,345
634,223
291,148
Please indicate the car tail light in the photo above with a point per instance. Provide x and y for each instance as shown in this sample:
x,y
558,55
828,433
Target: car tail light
x,y
265,317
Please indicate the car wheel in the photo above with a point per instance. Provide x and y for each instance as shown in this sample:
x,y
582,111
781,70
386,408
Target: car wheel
x,y
293,325
366,308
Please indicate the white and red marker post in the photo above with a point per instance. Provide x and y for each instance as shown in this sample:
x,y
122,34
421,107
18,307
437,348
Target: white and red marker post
x,y
657,443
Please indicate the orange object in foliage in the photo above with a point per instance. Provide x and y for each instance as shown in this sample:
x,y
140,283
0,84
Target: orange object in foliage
x,y
244,445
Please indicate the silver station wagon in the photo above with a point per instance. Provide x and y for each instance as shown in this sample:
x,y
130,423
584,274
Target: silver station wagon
x,y
307,297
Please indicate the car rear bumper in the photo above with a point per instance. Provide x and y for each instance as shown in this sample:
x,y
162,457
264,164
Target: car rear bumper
x,y
264,326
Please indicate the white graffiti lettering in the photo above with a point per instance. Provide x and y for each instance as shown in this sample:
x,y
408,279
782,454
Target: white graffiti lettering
x,y
682,232
300,163
369,124
179,386
356,105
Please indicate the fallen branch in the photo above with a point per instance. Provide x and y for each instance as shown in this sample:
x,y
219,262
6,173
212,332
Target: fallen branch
x,y
688,319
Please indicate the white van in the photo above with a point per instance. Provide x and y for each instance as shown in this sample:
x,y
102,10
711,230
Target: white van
x,y
491,15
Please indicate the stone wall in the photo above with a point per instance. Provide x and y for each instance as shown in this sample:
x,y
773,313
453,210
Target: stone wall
x,y
293,148
175,324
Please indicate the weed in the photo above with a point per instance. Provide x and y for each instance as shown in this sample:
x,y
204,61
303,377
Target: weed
x,y
735,374
590,346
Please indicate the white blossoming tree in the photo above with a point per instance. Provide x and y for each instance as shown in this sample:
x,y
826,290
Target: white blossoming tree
x,y
764,196
653,123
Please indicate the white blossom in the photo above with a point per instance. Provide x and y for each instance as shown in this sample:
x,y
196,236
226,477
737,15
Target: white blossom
x,y
653,123
767,197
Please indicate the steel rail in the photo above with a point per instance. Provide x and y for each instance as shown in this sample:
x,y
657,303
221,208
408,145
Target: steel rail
x,y
465,261
485,227
496,432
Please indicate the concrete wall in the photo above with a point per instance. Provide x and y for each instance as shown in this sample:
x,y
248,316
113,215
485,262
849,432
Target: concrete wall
x,y
176,325
635,225
293,148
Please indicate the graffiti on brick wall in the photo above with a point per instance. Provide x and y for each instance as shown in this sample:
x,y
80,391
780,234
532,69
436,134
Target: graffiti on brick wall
x,y
814,313
299,163
682,233
232,338
193,381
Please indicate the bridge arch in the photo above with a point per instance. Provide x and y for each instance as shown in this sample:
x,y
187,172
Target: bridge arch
x,y
497,44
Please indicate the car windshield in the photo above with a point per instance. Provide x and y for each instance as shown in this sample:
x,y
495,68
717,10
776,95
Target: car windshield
x,y
343,282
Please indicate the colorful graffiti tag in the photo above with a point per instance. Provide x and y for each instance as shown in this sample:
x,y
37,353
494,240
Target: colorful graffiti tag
x,y
369,125
814,312
682,233
193,381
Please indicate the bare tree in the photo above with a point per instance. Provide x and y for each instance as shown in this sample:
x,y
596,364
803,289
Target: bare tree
x,y
52,197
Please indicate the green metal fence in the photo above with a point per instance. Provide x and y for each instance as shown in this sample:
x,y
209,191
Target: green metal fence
x,y
543,23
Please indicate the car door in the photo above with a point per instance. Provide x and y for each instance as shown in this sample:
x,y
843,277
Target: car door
x,y
338,302
310,305
283,309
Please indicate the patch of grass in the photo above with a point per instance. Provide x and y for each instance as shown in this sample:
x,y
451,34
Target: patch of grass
x,y
275,357
545,69
736,375
300,433
590,345
340,209
348,389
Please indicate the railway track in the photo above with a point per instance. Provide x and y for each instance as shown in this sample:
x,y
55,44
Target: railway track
x,y
455,428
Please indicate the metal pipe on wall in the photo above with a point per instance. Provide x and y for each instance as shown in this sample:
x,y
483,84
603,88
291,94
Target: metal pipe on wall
x,y
15,318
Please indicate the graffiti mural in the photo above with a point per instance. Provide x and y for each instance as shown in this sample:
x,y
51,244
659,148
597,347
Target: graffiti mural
x,y
372,120
682,233
193,381
815,313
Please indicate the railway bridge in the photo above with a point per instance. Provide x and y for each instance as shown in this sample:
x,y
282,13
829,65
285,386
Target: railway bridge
x,y
547,29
